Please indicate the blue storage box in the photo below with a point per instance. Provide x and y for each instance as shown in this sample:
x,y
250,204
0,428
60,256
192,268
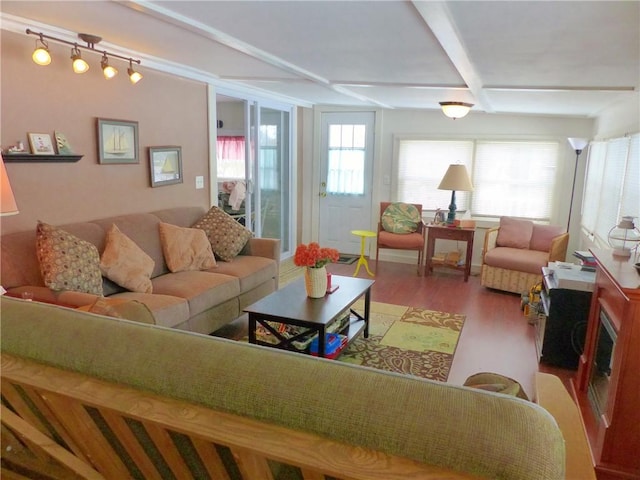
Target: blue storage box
x,y
332,347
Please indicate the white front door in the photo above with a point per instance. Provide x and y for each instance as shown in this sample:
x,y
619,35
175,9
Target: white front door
x,y
346,178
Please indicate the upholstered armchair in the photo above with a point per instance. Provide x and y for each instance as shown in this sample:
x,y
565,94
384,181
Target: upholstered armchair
x,y
401,228
515,252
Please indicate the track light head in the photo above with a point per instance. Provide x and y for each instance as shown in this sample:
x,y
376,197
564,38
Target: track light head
x,y
41,54
134,76
79,65
107,70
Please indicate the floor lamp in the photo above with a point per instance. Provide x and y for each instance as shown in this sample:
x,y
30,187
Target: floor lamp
x,y
578,145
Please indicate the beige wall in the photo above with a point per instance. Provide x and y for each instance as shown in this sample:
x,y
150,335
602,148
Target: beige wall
x,y
169,111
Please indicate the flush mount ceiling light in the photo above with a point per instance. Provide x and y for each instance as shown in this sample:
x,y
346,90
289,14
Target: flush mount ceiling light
x,y
455,109
41,55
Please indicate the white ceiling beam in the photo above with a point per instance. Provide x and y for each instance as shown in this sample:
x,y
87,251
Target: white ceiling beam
x,y
438,18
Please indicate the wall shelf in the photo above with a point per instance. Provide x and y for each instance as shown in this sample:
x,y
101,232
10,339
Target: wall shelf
x,y
31,158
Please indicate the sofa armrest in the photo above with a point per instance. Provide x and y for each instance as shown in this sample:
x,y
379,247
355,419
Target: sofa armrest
x,y
490,239
558,250
264,247
63,298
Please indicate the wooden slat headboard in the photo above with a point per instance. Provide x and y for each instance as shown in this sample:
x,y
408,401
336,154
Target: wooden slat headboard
x,y
97,429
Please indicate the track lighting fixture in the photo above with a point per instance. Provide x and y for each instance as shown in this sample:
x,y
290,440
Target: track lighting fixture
x,y
134,76
41,55
107,70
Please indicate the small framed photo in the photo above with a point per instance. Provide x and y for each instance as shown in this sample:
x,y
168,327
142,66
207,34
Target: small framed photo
x,y
117,141
40,144
165,165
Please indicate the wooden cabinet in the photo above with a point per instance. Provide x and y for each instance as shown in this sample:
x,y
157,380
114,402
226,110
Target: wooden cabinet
x,y
607,386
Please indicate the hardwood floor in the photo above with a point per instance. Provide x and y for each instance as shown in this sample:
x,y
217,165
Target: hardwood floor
x,y
496,336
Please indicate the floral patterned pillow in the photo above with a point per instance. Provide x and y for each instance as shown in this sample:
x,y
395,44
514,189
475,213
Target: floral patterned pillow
x,y
401,218
67,262
227,237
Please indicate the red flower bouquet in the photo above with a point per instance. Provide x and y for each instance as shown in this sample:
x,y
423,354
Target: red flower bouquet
x,y
313,256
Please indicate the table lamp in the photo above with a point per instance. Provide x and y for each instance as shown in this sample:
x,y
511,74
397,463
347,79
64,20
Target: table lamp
x,y
8,202
456,178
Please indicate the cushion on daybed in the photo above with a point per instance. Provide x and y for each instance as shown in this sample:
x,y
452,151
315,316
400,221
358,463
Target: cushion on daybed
x,y
227,237
543,235
518,259
66,261
185,248
514,233
125,263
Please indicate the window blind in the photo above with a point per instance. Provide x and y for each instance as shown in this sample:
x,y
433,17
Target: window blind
x,y
514,178
593,185
611,191
421,167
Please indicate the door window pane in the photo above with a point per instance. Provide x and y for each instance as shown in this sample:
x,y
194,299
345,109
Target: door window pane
x,y
346,161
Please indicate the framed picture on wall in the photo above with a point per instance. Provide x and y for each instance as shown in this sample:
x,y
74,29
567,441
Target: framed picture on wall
x,y
117,141
40,144
165,165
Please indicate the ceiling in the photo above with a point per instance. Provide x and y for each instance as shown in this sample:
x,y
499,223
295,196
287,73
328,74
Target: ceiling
x,y
572,58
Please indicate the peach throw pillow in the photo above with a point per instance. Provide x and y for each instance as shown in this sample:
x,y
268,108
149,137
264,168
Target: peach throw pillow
x,y
514,233
185,248
125,263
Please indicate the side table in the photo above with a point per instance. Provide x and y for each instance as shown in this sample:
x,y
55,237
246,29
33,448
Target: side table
x,y
435,232
363,234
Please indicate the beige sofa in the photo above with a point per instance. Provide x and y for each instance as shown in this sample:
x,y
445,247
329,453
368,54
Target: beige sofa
x,y
245,411
199,301
515,252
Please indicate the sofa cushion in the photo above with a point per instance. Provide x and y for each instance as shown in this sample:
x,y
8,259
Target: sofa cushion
x,y
514,233
543,235
66,261
517,259
400,218
125,263
202,290
185,248
251,271
227,236
168,310
121,308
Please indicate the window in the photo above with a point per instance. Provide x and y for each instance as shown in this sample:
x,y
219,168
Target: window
x,y
346,159
421,166
498,169
230,157
504,184
269,151
612,186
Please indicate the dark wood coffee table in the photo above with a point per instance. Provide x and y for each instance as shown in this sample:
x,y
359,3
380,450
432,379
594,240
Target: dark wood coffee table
x,y
291,306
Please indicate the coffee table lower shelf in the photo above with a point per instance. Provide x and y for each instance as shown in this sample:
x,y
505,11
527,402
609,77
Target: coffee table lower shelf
x,y
288,320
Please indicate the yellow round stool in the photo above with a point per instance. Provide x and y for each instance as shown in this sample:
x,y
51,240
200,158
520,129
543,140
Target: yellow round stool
x,y
363,234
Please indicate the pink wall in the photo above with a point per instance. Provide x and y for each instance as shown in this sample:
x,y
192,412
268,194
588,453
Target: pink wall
x,y
169,110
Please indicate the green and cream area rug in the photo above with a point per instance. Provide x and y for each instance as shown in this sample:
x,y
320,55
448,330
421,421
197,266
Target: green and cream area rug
x,y
407,340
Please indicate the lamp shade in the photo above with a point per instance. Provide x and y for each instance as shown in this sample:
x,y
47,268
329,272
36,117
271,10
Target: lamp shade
x,y
8,205
457,179
578,143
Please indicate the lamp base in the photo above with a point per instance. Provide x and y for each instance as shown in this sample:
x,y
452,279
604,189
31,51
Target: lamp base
x,y
621,252
451,217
